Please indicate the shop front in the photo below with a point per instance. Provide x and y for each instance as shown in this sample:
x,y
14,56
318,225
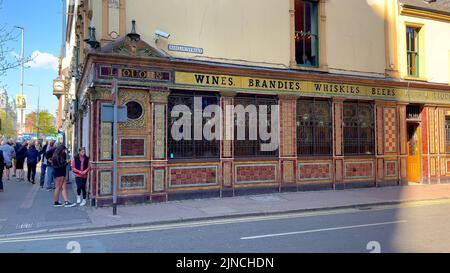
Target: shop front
x,y
324,131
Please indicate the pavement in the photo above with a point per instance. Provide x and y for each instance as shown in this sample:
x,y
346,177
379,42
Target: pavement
x,y
24,209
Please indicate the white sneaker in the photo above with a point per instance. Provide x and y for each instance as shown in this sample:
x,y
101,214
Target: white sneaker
x,y
78,199
83,203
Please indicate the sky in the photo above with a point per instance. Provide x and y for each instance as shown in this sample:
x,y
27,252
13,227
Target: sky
x,y
43,34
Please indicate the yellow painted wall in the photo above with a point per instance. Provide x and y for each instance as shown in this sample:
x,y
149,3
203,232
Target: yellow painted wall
x,y
436,48
251,30
257,32
355,36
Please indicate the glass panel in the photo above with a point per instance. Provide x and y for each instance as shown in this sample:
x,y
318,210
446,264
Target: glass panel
x,y
190,148
358,128
306,28
447,134
247,147
314,127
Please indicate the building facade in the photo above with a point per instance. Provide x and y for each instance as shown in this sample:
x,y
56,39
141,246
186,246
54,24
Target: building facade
x,y
8,115
363,100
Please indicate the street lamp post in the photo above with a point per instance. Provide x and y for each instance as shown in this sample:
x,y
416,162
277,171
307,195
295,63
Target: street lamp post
x,y
22,74
37,112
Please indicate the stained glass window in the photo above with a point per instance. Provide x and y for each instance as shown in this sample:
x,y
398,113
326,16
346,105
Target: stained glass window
x,y
359,135
314,127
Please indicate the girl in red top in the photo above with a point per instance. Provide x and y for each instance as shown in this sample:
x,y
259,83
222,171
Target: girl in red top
x,y
81,168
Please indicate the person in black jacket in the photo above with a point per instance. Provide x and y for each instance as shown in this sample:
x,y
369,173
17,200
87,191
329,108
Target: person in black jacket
x,y
2,165
20,160
32,160
59,164
43,165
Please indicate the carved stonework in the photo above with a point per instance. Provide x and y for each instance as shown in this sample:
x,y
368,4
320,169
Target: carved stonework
x,y
101,94
129,47
141,97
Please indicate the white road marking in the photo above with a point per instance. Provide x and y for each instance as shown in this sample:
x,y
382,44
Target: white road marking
x,y
105,232
321,230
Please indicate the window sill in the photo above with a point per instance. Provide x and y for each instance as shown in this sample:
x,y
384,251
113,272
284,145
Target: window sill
x,y
193,160
296,66
420,79
247,159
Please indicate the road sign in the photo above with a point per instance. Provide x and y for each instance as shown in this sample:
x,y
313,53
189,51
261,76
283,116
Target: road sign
x,y
108,114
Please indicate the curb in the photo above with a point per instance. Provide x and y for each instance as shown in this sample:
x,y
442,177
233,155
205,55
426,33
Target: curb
x,y
211,218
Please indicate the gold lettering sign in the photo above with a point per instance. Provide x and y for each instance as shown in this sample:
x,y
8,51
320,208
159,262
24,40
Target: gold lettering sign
x,y
310,88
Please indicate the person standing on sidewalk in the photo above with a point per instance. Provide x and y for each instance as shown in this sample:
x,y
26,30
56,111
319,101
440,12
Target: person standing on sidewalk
x,y
32,160
16,149
81,168
59,164
48,156
8,154
43,165
2,165
20,160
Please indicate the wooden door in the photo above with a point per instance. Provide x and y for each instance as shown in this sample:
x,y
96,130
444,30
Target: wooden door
x,y
413,159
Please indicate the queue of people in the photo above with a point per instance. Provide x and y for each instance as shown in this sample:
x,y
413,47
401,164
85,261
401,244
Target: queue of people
x,y
55,165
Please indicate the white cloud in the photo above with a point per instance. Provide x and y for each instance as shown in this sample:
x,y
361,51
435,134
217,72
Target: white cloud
x,y
43,60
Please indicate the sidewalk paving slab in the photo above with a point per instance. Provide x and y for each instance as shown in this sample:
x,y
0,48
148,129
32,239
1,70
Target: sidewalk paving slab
x,y
247,206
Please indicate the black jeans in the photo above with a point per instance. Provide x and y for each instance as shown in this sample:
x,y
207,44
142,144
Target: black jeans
x,y
31,171
81,186
1,178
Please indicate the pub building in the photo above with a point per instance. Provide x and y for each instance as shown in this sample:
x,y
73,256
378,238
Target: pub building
x,y
335,132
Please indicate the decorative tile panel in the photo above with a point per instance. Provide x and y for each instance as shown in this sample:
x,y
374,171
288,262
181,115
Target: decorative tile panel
x,y
192,176
288,171
288,127
106,141
227,174
359,170
158,180
391,168
132,147
390,130
143,98
256,173
314,171
105,183
160,128
132,181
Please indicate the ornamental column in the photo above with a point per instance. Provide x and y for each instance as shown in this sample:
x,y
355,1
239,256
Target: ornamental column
x,y
288,142
159,99
226,143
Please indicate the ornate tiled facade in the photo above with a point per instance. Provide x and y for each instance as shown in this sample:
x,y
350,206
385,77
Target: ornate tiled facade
x,y
146,170
192,176
256,173
359,170
314,171
390,130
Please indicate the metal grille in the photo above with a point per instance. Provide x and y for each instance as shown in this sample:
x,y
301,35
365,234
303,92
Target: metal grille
x,y
359,132
314,127
248,147
447,135
186,149
413,112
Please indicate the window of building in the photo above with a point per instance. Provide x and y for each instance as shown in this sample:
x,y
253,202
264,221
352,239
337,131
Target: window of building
x,y
314,127
447,134
248,147
191,148
412,51
306,33
358,126
134,110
